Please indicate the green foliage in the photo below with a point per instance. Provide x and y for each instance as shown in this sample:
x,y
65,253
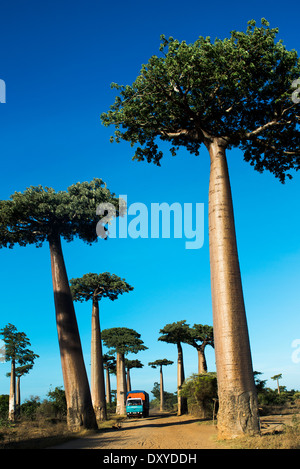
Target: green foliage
x,y
16,349
200,391
175,332
203,334
129,364
122,340
4,400
38,213
238,88
109,362
98,286
30,407
57,398
163,362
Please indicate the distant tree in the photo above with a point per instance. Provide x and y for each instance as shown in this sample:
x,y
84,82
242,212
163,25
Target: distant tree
x,y
121,340
277,378
200,337
230,93
16,352
29,359
95,287
170,399
129,364
176,333
109,364
160,364
41,215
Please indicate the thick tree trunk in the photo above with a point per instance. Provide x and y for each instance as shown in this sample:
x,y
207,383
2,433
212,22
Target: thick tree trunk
x,y
18,396
128,380
97,371
162,398
108,391
182,401
202,365
12,393
80,412
121,385
238,413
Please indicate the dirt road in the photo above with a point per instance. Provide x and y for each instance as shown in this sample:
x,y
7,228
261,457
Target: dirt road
x,y
159,431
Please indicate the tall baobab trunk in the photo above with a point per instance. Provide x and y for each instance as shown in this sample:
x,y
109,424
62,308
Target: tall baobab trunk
x,y
121,385
182,401
12,393
162,397
202,365
108,391
97,371
128,380
80,412
238,412
18,395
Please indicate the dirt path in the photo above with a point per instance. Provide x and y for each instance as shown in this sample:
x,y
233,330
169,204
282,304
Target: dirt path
x,y
159,431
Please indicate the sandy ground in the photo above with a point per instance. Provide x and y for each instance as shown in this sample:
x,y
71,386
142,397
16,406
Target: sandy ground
x,y
164,431
158,431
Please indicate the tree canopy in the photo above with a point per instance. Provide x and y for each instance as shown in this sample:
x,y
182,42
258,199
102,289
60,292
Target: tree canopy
x,y
162,362
122,340
238,89
38,213
16,344
175,332
104,285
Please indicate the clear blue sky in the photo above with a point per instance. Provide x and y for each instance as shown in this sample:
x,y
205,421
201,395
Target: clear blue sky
x,y
58,59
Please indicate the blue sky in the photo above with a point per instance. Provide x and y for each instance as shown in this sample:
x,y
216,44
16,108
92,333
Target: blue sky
x,y
58,59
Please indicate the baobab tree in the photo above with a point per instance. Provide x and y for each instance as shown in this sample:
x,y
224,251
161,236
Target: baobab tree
x,y
176,333
200,337
17,353
160,364
121,341
129,364
95,287
231,93
41,215
277,378
109,364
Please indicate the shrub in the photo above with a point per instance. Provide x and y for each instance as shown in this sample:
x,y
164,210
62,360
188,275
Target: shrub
x,y
201,393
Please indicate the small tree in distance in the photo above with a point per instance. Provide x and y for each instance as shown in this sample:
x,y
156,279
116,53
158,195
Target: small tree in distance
x,y
160,364
200,337
16,352
176,333
121,340
95,287
129,364
277,378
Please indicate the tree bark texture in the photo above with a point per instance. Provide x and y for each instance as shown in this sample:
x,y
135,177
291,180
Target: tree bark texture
x,y
202,365
97,371
182,401
238,412
121,385
162,397
80,412
128,380
12,393
108,391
